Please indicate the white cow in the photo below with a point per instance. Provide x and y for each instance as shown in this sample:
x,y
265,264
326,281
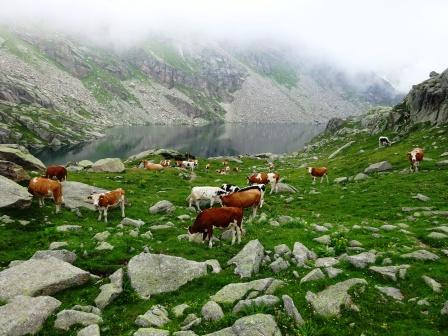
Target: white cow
x,y
384,141
189,164
205,193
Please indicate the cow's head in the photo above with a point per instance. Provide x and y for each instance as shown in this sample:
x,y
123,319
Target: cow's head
x,y
95,197
309,169
412,156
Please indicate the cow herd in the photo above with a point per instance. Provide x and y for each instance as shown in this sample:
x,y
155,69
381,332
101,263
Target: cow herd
x,y
233,199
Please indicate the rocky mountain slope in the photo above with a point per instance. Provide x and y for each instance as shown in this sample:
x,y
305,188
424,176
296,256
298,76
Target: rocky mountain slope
x,y
60,90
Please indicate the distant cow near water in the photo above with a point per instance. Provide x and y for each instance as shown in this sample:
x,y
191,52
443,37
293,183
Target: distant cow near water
x,y
56,172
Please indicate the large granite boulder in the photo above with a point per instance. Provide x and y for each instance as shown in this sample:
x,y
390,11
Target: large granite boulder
x,y
24,315
76,193
378,167
13,195
248,260
13,171
21,156
328,302
111,290
40,277
158,273
252,325
110,165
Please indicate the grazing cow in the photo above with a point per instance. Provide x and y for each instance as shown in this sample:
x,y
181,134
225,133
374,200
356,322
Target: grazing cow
x,y
230,217
244,199
225,163
205,193
221,171
56,172
236,169
316,172
415,156
189,164
384,141
265,178
42,187
207,166
165,163
104,201
151,166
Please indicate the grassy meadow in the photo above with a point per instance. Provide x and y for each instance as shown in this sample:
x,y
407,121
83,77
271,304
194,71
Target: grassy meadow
x,y
372,202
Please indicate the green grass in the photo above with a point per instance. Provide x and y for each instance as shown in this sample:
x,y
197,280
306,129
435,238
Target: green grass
x,y
373,202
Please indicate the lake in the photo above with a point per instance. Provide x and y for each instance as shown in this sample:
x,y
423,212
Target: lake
x,y
204,141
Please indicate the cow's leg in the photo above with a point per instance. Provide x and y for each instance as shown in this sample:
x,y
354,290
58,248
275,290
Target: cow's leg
x,y
58,208
105,215
321,179
211,202
41,204
326,175
254,211
197,205
122,209
210,237
314,179
416,166
272,188
99,217
232,227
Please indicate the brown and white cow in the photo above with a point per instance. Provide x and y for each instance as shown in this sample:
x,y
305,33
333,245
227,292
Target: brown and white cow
x,y
165,163
265,178
151,166
229,217
415,156
251,198
316,172
56,172
104,201
42,187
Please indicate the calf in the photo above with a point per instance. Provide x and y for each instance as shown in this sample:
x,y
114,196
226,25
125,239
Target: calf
x,y
230,217
151,166
211,194
383,141
415,156
104,201
316,172
265,178
244,199
56,172
42,187
189,164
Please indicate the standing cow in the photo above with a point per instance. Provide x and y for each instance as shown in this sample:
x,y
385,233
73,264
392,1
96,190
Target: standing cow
x,y
104,201
56,172
265,178
42,187
415,156
316,172
384,141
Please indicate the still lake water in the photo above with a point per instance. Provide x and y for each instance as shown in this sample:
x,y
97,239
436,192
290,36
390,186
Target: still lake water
x,y
204,141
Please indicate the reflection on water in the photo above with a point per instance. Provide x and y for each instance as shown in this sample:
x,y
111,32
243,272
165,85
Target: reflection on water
x,y
204,141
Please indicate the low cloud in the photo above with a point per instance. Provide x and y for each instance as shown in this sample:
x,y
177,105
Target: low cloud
x,y
399,40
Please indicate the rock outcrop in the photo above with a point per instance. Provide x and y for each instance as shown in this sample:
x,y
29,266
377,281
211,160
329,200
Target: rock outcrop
x,y
13,195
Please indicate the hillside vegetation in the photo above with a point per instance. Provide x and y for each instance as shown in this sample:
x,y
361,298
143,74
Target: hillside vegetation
x,y
369,211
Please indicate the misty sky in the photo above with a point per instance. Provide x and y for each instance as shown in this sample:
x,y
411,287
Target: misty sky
x,y
401,40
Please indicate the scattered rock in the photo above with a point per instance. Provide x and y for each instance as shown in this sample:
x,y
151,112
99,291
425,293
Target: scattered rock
x,y
328,302
325,240
340,180
378,167
63,255
57,245
13,195
433,284
25,315
85,164
360,177
258,324
336,152
333,272
421,197
178,310
388,227
91,330
362,260
162,207
212,311
291,310
443,163
111,290
392,292
437,235
21,156
264,300
214,264
104,246
302,254
157,316
326,262
158,273
233,292
137,223
279,265
69,317
315,274
285,188
68,228
282,249
13,171
248,260
390,272
151,332
444,310
40,277
110,165
284,219
421,255
190,321
101,236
